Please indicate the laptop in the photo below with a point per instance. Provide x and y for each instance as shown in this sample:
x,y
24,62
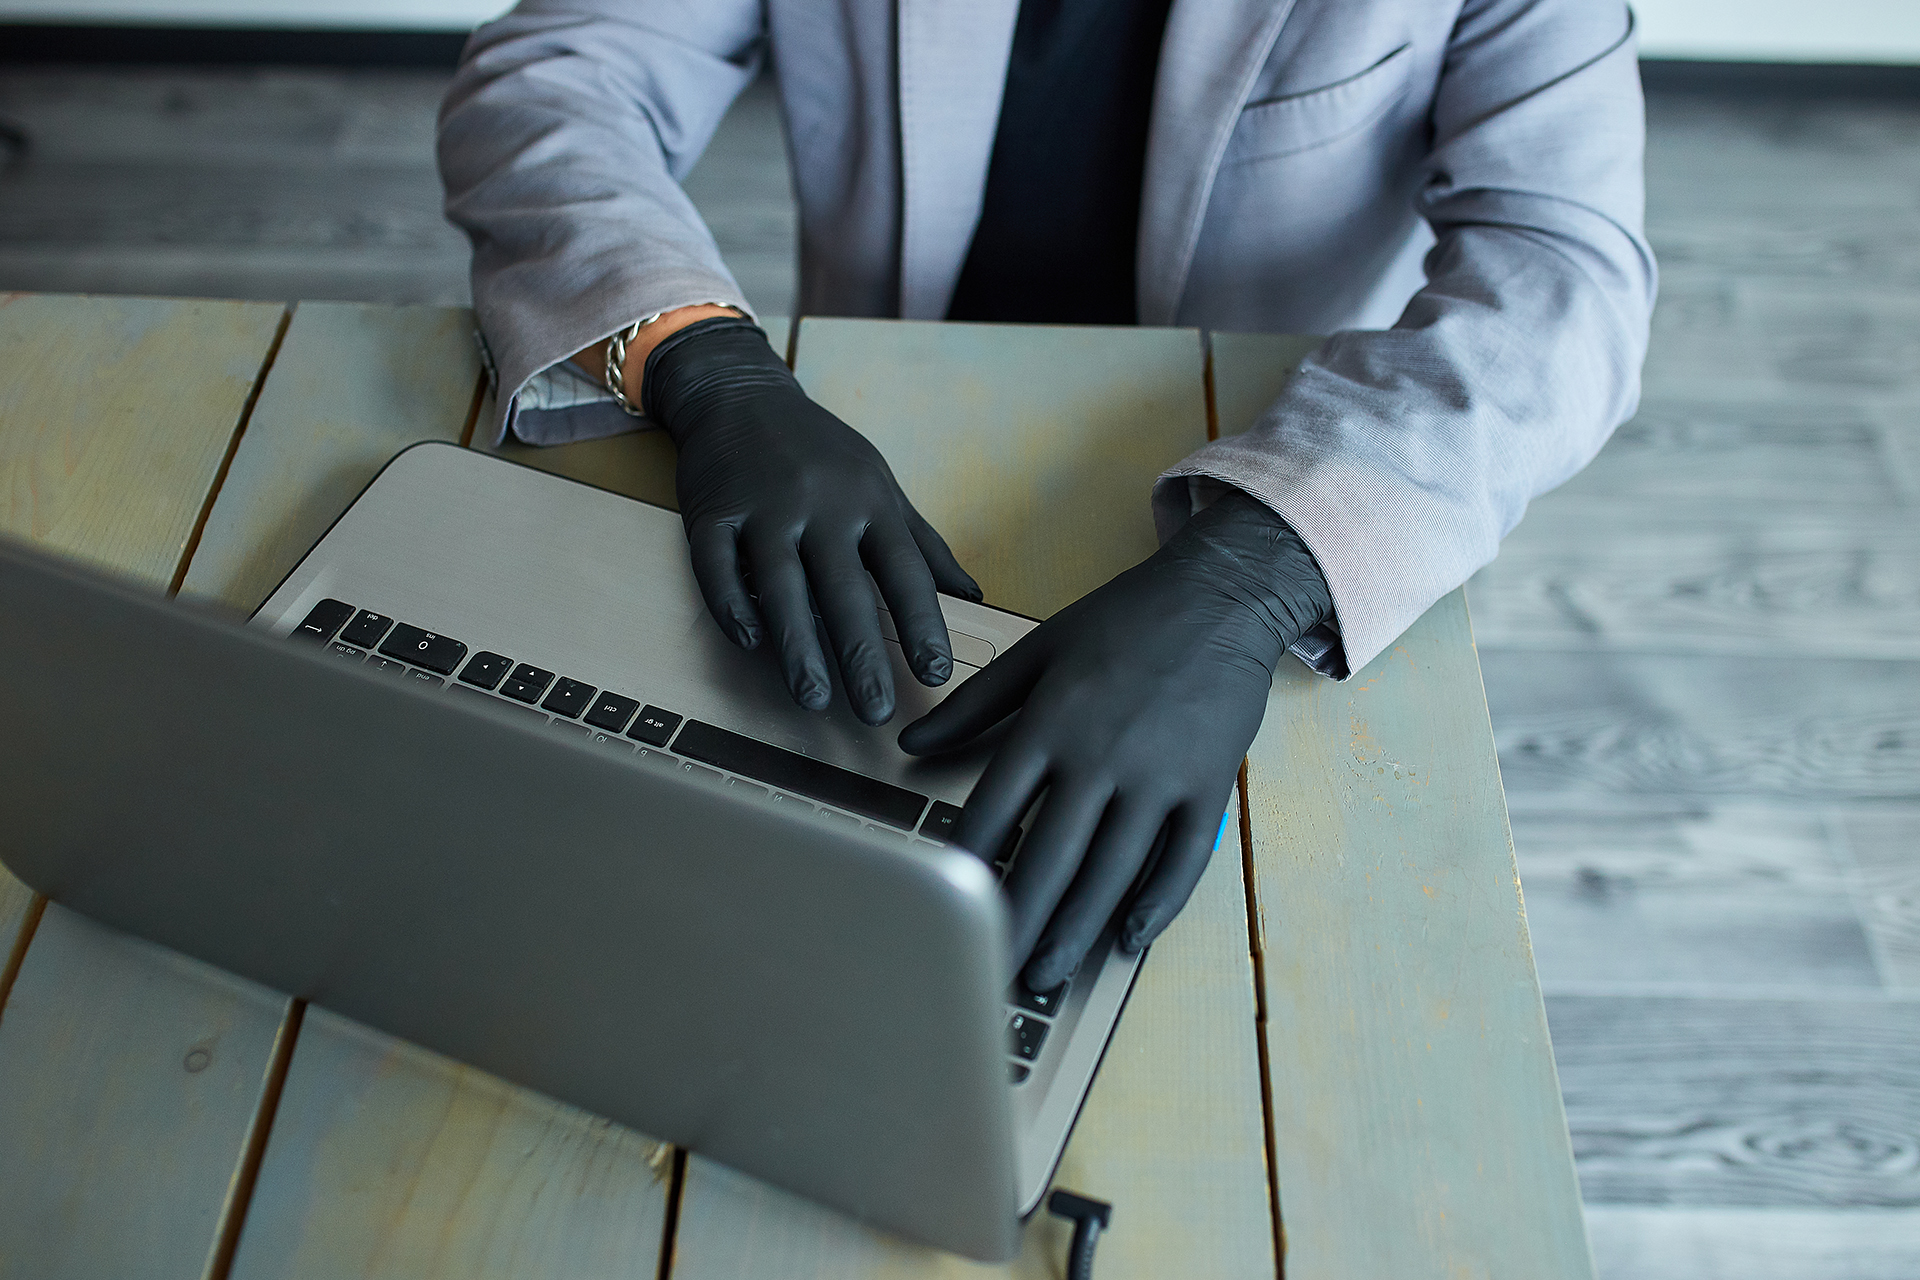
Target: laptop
x,y
482,773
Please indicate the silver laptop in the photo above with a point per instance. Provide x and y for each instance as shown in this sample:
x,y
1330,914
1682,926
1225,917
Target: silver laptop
x,y
484,774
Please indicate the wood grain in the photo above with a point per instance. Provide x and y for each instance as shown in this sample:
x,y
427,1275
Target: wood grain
x,y
352,386
1754,1244
1718,1102
1885,846
1736,454
1727,577
1167,1136
1639,724
117,414
1011,441
637,463
1726,894
129,1077
389,1160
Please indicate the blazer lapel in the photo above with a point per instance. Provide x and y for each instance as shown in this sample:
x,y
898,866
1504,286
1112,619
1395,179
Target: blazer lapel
x,y
1209,57
953,69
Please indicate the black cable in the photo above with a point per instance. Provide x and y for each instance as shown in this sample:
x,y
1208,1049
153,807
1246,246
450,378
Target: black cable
x,y
1089,1218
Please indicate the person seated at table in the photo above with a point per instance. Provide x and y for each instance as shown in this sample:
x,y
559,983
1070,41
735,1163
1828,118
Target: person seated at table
x,y
1451,188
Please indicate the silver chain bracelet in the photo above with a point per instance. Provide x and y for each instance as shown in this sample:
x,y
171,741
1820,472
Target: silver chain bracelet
x,y
617,354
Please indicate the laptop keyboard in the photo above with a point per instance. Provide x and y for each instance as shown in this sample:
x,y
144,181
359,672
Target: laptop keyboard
x,y
663,739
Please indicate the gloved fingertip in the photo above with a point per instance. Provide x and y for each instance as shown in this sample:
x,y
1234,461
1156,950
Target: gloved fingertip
x,y
1136,933
933,667
743,633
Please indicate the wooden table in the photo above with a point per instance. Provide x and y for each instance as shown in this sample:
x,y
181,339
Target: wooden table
x,y
1343,1032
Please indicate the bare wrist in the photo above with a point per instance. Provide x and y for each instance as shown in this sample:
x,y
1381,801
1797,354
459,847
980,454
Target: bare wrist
x,y
594,359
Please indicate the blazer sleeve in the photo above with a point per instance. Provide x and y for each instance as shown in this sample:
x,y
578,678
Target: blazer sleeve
x,y
1403,456
562,143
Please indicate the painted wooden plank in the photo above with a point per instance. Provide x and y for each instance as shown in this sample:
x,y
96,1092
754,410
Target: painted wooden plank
x,y
115,414
1588,726
636,463
1417,1124
129,1078
1731,577
1884,843
1738,895
1033,450
397,1161
1717,1101
352,386
1249,372
389,1160
1147,1143
1754,1244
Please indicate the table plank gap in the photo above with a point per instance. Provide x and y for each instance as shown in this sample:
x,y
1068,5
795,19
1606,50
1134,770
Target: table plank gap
x,y
29,920
233,1214
1256,940
233,447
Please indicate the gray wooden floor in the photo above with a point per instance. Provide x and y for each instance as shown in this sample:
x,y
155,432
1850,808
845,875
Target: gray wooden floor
x,y
1702,655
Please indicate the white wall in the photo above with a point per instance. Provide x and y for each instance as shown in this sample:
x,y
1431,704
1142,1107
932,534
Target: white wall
x,y
1764,30
1781,30
408,15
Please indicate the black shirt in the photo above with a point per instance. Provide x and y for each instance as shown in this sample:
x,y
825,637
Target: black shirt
x,y
1061,215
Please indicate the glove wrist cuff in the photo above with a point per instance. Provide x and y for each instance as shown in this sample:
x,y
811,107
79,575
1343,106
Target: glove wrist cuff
x,y
1253,556
694,366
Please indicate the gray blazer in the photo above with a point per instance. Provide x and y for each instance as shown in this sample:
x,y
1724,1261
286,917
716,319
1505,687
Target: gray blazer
x,y
1452,189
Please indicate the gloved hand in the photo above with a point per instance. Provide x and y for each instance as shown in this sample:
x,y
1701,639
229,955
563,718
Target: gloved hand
x,y
1136,705
768,477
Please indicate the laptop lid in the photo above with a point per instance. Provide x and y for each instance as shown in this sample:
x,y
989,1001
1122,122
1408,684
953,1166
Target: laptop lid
x,y
813,1005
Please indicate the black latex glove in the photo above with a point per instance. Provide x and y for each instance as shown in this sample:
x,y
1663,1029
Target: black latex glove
x,y
1136,705
768,478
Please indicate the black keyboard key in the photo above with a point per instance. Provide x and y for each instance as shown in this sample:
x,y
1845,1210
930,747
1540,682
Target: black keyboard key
x,y
426,678
484,669
366,628
323,620
654,726
526,684
789,771
1025,1035
569,697
424,649
386,666
513,708
1044,1003
940,821
611,712
346,651
1018,1072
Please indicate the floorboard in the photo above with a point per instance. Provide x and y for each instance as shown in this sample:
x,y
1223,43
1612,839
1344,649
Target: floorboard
x,y
1885,845
1754,1244
1718,1101
1741,895
1597,725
